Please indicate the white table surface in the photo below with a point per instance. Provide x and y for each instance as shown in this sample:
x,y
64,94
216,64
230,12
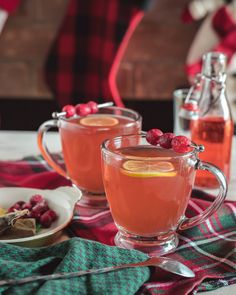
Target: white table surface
x,y
16,144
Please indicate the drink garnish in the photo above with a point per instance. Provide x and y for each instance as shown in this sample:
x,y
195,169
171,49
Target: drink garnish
x,y
99,121
153,136
166,139
69,110
180,143
82,109
146,169
93,107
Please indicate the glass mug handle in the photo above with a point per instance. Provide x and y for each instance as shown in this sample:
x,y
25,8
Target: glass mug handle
x,y
43,147
190,222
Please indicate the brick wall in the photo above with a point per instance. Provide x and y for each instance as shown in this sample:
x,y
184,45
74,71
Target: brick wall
x,y
152,67
23,46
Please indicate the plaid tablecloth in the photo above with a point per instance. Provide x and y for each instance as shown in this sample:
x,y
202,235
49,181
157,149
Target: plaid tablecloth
x,y
208,249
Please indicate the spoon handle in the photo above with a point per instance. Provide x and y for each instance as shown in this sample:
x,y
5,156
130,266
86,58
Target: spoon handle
x,y
65,275
162,262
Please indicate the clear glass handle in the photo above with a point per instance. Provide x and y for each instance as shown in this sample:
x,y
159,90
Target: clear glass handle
x,y
223,187
43,147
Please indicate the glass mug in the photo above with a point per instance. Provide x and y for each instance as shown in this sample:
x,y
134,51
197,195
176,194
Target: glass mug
x,y
148,189
81,138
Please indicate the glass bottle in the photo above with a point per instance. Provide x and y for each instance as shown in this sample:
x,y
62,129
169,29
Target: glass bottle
x,y
214,126
188,110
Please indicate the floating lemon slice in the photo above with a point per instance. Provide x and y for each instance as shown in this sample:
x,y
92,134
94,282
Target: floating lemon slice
x,y
99,121
148,169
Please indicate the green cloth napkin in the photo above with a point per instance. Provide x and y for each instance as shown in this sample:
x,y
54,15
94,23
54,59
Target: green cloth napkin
x,y
72,255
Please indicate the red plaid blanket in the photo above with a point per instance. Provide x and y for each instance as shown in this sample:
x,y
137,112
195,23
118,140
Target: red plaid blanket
x,y
84,58
208,249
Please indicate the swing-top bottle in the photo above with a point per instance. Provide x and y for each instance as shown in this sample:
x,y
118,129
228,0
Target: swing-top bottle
x,y
214,125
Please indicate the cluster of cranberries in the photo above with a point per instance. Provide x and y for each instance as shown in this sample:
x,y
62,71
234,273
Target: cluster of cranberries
x,y
180,143
38,208
81,109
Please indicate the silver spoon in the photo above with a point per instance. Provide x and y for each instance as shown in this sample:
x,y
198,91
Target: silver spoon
x,y
165,263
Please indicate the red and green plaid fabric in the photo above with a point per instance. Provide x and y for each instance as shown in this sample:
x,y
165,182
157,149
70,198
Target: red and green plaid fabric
x,y
208,249
83,60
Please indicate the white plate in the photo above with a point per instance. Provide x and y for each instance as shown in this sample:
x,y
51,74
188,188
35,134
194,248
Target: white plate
x,y
62,200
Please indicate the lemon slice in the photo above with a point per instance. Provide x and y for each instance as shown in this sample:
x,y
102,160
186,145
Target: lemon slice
x,y
99,121
2,211
148,169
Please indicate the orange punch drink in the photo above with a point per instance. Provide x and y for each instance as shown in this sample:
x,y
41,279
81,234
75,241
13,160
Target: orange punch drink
x,y
155,178
81,138
215,134
148,189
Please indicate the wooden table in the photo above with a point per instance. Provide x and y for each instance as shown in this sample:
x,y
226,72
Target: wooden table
x,y
17,144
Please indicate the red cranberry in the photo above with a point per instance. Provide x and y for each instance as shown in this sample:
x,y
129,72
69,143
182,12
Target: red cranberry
x,y
36,199
35,215
43,206
153,136
20,203
11,209
181,144
27,206
165,140
14,207
38,210
52,214
82,109
46,220
69,109
93,107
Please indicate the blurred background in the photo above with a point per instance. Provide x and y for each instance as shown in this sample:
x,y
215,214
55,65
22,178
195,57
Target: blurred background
x,y
151,68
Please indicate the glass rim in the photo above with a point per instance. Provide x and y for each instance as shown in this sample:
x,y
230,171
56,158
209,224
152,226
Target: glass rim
x,y
180,92
130,111
108,151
